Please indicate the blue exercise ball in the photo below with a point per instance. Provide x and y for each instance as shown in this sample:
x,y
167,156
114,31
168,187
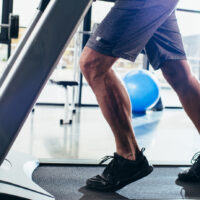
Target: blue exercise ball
x,y
142,88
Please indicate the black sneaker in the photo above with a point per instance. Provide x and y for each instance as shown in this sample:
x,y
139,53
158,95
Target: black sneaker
x,y
192,174
120,172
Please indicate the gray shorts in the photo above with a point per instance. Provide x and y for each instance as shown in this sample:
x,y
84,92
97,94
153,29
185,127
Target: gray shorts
x,y
134,25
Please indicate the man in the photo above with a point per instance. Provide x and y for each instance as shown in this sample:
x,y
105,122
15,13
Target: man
x,y
129,27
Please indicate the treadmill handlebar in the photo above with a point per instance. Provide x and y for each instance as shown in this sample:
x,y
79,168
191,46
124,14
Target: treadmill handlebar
x,y
43,5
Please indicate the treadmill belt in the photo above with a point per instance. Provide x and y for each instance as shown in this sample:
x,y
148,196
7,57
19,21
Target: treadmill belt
x,y
68,182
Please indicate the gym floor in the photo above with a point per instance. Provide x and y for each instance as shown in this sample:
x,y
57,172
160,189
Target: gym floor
x,y
168,136
68,182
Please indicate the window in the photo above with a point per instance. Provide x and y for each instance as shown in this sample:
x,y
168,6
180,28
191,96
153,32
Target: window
x,y
190,30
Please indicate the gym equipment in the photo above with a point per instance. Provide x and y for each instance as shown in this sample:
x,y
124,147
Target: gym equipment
x,y
158,106
94,28
16,177
67,111
29,70
160,184
143,90
13,26
23,41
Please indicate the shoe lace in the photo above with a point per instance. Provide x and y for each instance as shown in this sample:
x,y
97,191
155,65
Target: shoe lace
x,y
195,157
105,158
111,168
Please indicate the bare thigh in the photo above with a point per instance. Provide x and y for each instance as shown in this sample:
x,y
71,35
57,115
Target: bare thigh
x,y
176,72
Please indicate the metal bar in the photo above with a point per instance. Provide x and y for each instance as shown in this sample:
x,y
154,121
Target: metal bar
x,y
35,64
66,118
189,11
15,55
9,50
4,25
7,7
21,44
145,62
86,27
77,53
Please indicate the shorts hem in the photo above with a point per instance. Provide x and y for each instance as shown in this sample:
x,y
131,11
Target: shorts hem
x,y
161,63
99,49
109,53
127,57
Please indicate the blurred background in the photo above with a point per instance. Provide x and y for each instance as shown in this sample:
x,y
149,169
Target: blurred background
x,y
46,138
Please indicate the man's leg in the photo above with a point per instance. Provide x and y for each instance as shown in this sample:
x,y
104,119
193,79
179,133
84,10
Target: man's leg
x,y
128,164
123,33
112,98
187,87
179,76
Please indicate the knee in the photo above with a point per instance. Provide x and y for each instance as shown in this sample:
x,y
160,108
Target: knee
x,y
88,67
94,65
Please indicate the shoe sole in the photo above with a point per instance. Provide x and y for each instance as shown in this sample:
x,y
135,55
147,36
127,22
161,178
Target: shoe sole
x,y
188,178
113,188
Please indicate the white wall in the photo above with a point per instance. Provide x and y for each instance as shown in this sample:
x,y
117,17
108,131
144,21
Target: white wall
x,y
189,4
25,9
